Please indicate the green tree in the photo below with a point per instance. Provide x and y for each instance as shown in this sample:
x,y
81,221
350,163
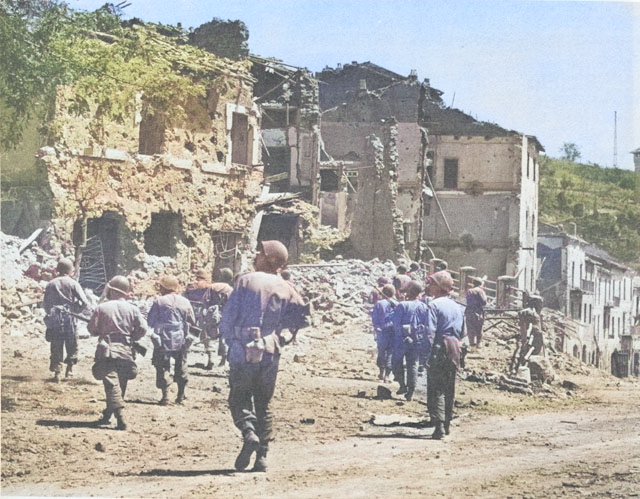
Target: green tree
x,y
569,151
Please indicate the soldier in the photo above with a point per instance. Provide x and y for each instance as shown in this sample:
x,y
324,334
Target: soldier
x,y
170,315
207,300
62,295
408,320
401,280
476,300
117,324
383,330
530,322
223,289
445,326
260,306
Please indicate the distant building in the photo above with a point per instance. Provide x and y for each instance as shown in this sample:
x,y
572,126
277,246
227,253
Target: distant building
x,y
427,180
601,295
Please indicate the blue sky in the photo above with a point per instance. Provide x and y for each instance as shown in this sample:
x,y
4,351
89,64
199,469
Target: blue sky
x,y
559,70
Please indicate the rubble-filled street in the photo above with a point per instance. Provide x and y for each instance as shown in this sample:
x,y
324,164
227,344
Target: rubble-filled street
x,y
338,433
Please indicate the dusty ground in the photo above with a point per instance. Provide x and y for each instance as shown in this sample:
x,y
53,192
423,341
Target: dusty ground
x,y
579,443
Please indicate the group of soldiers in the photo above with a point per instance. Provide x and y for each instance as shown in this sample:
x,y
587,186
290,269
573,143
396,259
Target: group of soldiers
x,y
421,326
248,318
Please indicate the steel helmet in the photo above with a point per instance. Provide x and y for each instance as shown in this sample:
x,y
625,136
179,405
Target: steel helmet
x,y
65,266
119,284
276,253
169,282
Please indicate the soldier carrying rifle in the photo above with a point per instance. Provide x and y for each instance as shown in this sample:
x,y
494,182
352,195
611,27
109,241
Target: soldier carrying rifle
x,y
63,296
118,325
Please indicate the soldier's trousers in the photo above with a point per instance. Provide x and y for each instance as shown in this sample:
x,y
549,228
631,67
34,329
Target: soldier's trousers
x,y
115,374
251,389
405,359
60,342
162,362
441,391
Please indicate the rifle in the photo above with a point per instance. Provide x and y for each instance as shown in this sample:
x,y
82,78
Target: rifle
x,y
134,344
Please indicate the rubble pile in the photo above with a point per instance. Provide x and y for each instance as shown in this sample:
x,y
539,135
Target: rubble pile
x,y
339,293
339,290
23,270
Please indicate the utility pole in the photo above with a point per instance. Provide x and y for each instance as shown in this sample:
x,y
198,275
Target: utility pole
x,y
615,139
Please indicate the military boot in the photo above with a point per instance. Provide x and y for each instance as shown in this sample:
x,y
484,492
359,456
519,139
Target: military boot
x,y
165,397
120,419
209,365
409,395
69,372
447,426
438,433
261,460
56,377
251,443
106,417
403,389
180,398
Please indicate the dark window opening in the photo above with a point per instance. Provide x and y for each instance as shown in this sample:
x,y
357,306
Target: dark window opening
x,y
151,138
450,173
275,118
109,250
284,228
240,139
277,161
329,181
427,209
162,236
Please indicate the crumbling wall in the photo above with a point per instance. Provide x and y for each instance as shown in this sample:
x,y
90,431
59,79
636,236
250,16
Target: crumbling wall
x,y
91,171
223,38
484,164
377,225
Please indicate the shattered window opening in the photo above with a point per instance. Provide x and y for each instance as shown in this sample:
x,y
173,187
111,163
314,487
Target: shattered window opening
x,y
240,139
450,173
162,236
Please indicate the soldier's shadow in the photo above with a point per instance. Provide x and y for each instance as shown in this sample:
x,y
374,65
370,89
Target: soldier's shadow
x,y
188,473
68,424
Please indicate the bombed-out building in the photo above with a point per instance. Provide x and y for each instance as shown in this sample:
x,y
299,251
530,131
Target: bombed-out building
x,y
428,180
177,186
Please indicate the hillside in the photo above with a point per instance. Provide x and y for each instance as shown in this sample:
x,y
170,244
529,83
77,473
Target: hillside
x,y
603,203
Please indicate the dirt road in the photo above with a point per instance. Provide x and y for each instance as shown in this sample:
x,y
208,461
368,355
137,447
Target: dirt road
x,y
335,437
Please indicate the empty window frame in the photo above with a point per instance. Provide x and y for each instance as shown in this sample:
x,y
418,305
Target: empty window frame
x,y
450,173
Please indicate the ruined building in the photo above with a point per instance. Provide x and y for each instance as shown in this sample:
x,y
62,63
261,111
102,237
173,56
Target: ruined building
x,y
180,186
426,180
600,295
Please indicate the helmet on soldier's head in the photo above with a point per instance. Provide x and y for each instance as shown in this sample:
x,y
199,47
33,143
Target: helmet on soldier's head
x,y
202,274
442,279
119,284
383,281
64,267
275,252
226,274
169,283
413,289
389,290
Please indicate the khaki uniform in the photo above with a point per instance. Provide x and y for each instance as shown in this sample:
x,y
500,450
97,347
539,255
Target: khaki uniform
x,y
117,324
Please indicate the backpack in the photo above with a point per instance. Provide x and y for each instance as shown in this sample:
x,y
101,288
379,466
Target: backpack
x,y
170,329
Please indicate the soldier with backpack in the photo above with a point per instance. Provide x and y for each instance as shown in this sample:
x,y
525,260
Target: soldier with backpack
x,y
63,296
118,324
170,316
383,329
207,300
409,338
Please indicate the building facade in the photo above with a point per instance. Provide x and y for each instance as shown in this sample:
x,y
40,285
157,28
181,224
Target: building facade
x,y
599,294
